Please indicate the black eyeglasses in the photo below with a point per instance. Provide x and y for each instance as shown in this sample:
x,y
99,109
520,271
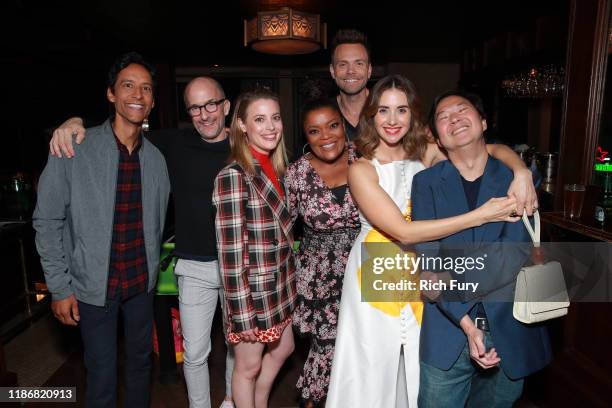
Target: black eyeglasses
x,y
210,107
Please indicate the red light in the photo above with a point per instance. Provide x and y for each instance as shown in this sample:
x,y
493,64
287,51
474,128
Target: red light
x,y
601,154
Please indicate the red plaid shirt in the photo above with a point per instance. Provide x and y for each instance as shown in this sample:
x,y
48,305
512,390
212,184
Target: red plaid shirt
x,y
128,261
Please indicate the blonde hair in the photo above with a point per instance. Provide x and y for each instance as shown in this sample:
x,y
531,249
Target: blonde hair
x,y
414,142
239,144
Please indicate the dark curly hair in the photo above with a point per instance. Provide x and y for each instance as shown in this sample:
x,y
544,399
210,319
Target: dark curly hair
x,y
318,103
127,59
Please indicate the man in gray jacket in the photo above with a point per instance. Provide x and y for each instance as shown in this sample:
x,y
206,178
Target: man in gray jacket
x,y
99,221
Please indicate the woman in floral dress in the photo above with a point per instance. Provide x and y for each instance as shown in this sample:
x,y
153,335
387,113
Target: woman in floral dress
x,y
318,193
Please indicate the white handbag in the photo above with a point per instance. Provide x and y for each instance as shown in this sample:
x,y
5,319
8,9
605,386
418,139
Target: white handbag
x,y
540,292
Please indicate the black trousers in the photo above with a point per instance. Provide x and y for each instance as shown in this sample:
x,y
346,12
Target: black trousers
x,y
99,332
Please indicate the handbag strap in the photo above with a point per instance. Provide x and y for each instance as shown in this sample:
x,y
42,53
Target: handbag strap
x,y
534,233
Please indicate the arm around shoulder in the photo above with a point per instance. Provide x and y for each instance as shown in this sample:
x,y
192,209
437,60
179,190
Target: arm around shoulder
x,y
522,186
433,155
62,140
382,212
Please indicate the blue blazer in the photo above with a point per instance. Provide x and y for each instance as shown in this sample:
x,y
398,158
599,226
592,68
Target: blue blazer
x,y
438,192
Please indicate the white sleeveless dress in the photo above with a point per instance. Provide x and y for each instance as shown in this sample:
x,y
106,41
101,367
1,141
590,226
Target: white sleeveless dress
x,y
370,334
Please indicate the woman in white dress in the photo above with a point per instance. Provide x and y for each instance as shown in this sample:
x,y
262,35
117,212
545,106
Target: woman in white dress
x,y
375,337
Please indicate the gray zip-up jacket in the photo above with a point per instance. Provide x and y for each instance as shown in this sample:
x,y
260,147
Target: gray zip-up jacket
x,y
75,211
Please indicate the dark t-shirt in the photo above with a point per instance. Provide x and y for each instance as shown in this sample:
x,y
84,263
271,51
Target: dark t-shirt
x,y
471,189
193,165
349,130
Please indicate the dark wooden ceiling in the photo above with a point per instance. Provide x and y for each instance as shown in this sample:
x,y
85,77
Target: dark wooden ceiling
x,y
56,53
210,32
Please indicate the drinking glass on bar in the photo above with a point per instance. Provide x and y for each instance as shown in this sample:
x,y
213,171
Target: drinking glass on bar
x,y
573,199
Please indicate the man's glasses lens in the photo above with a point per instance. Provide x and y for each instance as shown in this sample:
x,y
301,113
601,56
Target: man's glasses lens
x,y
210,107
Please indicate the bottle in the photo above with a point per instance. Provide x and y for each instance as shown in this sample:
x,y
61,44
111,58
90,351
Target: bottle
x,y
603,207
18,199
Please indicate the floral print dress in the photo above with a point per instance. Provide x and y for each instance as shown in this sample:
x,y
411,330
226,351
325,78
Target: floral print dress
x,y
331,224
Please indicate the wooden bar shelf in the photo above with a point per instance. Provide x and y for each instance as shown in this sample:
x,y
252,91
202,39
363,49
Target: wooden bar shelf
x,y
586,226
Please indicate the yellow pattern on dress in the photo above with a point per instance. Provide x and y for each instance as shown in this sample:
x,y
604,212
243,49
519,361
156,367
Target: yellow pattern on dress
x,y
392,308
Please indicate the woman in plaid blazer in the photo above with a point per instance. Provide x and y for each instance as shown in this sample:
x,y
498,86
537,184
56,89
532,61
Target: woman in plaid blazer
x,y
254,244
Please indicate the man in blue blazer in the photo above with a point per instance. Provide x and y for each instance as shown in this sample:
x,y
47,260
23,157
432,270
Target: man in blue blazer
x,y
472,349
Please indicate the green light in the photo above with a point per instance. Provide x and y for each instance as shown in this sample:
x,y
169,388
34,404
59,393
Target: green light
x,y
607,167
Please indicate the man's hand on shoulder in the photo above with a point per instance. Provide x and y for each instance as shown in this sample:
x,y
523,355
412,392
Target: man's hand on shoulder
x,y
66,310
61,142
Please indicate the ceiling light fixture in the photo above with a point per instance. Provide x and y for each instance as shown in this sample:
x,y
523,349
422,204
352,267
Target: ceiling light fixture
x,y
285,32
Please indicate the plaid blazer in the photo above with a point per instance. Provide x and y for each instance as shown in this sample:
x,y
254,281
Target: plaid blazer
x,y
254,244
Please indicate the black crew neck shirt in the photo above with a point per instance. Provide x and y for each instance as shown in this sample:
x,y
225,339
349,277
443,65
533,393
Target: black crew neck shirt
x,y
193,165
